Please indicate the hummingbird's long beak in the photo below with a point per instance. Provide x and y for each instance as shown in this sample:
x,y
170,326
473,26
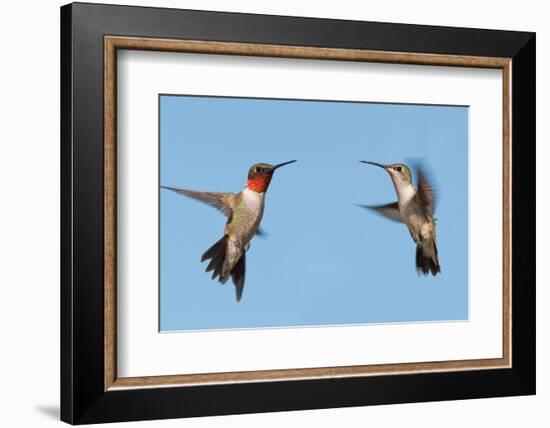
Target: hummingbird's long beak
x,y
375,163
282,164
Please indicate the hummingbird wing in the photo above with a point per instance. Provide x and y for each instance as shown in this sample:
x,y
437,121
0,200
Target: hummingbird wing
x,y
260,232
425,191
390,211
222,201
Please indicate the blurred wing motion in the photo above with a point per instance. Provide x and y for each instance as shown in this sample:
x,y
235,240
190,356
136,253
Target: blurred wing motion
x,y
425,191
222,201
390,211
260,232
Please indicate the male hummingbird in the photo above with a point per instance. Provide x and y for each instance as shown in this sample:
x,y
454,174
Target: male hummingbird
x,y
244,212
414,207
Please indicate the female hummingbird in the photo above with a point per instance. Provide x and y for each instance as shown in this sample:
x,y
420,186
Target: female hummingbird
x,y
414,207
244,212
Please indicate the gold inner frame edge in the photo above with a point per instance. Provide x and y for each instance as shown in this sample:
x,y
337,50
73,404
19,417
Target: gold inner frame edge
x,y
113,43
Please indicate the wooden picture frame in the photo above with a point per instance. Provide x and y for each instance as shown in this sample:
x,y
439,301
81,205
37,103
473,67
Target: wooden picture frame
x,y
91,390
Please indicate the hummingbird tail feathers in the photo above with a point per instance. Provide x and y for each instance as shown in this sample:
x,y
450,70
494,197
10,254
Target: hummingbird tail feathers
x,y
218,254
427,260
237,275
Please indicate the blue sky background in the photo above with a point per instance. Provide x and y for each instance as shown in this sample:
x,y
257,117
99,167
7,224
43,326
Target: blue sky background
x,y
324,261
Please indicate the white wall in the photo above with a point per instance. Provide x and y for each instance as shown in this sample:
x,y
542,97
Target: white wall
x,y
29,213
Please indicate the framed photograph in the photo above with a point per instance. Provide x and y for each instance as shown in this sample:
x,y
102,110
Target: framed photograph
x,y
361,196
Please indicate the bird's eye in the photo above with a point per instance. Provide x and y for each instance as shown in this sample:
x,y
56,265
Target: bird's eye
x,y
258,169
398,168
